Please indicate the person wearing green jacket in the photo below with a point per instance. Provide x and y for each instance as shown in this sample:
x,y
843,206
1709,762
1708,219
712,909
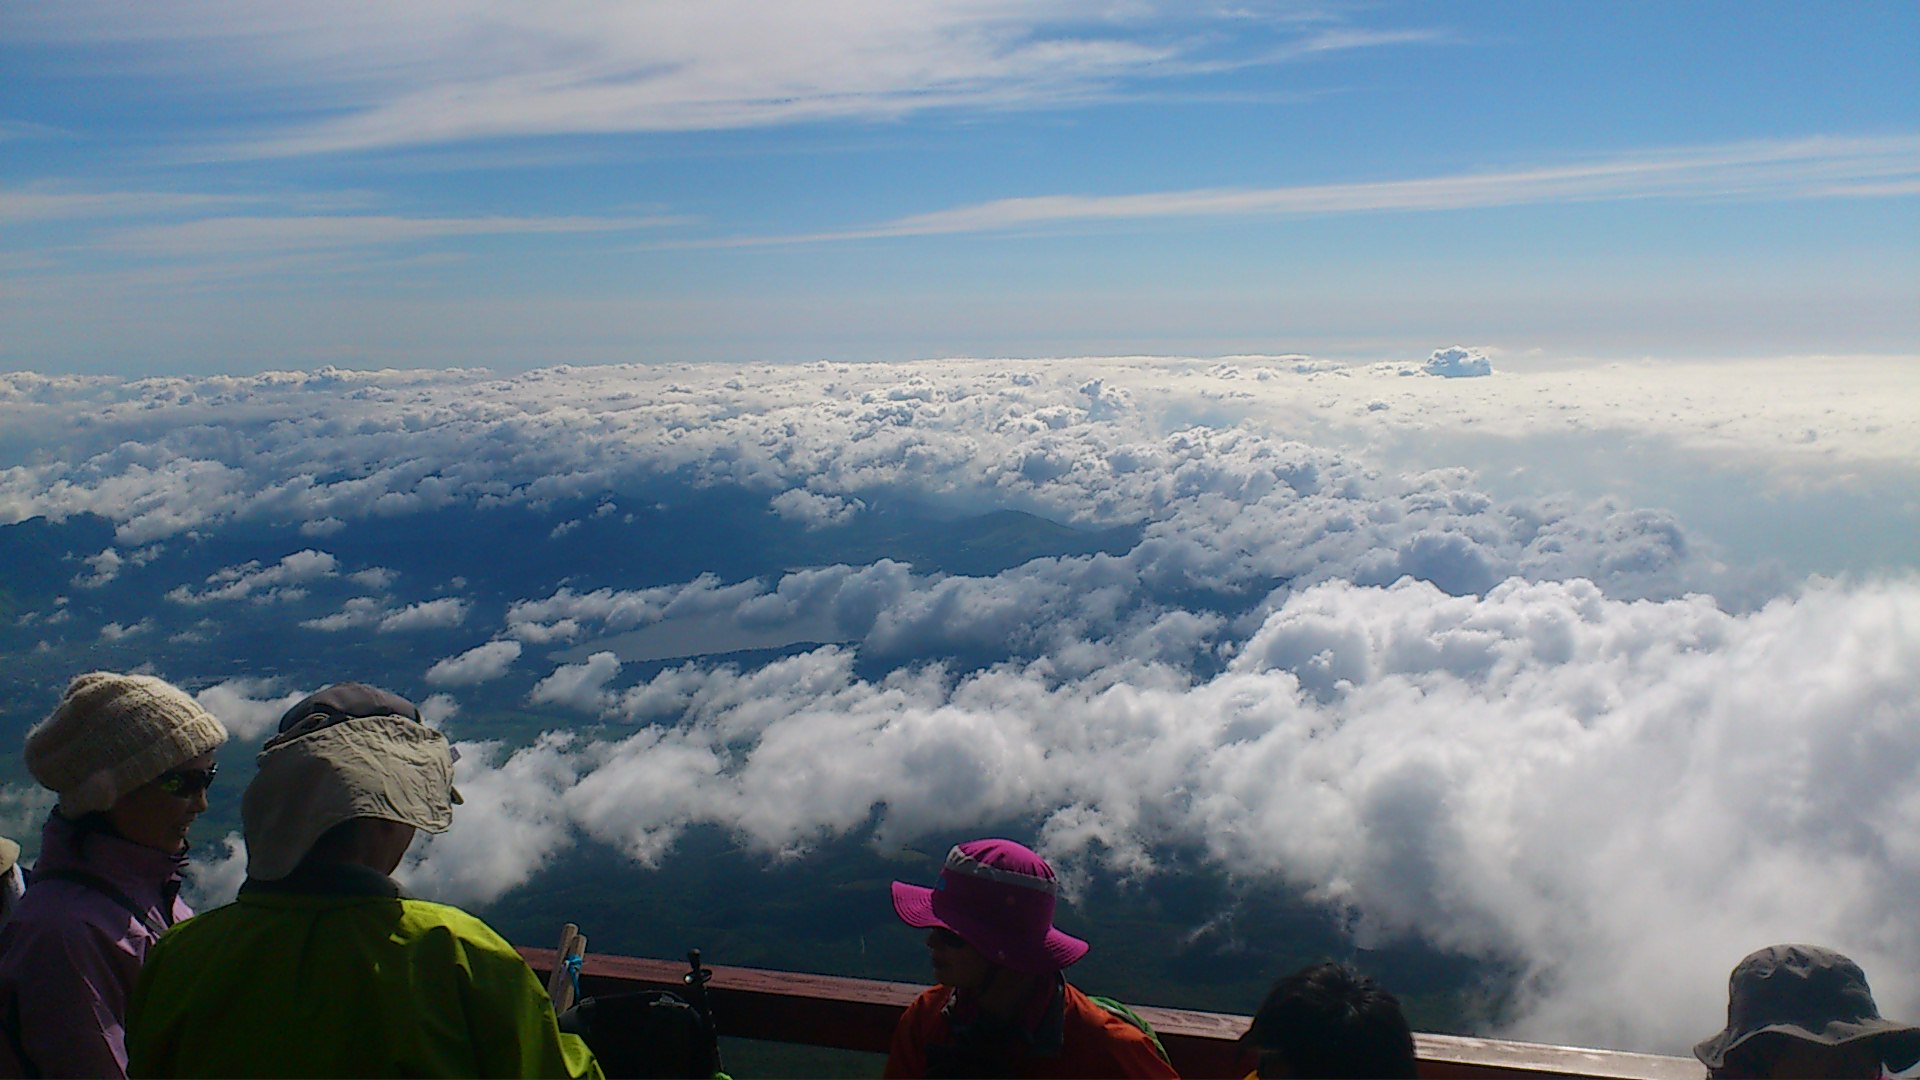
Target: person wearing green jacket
x,y
323,966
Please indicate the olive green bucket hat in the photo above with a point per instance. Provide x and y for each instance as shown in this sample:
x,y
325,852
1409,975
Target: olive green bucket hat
x,y
1808,993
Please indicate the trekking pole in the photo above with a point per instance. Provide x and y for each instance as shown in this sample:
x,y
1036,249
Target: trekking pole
x,y
696,980
563,983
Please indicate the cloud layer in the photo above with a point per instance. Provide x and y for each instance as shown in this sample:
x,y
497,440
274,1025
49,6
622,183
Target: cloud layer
x,y
1620,798
1558,731
1086,441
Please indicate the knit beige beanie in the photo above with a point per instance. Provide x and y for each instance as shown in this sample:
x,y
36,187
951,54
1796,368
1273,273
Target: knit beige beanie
x,y
112,733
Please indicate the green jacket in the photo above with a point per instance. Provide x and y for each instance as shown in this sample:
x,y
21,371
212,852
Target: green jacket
x,y
336,973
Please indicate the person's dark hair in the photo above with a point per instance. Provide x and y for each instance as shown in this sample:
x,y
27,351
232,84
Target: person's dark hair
x,y
1329,1020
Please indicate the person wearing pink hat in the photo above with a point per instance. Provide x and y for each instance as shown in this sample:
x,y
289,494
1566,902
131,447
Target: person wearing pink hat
x,y
1003,1006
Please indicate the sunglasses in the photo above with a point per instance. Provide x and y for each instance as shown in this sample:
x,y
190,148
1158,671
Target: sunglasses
x,y
186,783
946,938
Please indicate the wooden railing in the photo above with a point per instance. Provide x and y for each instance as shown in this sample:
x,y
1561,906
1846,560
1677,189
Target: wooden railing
x,y
859,1014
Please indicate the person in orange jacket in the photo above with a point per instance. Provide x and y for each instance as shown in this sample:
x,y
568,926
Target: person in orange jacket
x,y
1003,1006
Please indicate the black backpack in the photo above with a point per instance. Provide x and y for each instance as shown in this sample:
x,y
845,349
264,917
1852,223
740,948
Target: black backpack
x,y
650,1033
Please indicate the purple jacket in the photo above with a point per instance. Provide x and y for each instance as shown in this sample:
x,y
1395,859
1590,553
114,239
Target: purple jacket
x,y
69,955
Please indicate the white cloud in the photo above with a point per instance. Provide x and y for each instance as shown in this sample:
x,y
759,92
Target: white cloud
x,y
253,581
248,706
24,808
477,665
815,511
510,827
358,611
426,615
1457,363
279,235
537,633
20,205
216,873
374,577
408,75
1553,729
558,617
105,567
438,709
114,631
158,456
1778,169
1619,798
579,686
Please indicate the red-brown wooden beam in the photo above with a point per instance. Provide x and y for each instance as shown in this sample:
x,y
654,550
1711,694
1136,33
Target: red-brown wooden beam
x,y
859,1014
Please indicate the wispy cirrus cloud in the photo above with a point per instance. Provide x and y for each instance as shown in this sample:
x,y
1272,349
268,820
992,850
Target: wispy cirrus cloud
x,y
1812,168
408,75
219,235
19,205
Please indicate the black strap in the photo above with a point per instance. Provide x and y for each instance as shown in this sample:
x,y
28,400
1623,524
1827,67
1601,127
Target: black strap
x,y
112,892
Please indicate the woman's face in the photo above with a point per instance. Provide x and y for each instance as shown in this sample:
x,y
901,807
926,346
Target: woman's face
x,y
956,963
159,818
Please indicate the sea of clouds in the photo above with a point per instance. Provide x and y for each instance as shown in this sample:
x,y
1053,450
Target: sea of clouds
x,y
1562,731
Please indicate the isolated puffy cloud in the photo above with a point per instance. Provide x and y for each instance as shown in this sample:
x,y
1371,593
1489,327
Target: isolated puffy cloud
x,y
480,664
815,511
832,603
114,631
254,581
426,615
1457,363
578,686
559,616
104,568
357,611
248,706
374,577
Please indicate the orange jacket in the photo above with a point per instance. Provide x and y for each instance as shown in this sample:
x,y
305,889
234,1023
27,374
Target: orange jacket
x,y
1094,1042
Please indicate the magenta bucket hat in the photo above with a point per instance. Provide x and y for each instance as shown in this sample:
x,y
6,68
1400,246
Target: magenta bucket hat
x,y
999,896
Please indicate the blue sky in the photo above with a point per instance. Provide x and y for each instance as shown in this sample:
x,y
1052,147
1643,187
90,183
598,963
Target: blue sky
x,y
209,187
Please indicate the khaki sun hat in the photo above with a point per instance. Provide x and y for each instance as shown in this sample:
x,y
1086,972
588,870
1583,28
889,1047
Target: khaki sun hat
x,y
387,767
